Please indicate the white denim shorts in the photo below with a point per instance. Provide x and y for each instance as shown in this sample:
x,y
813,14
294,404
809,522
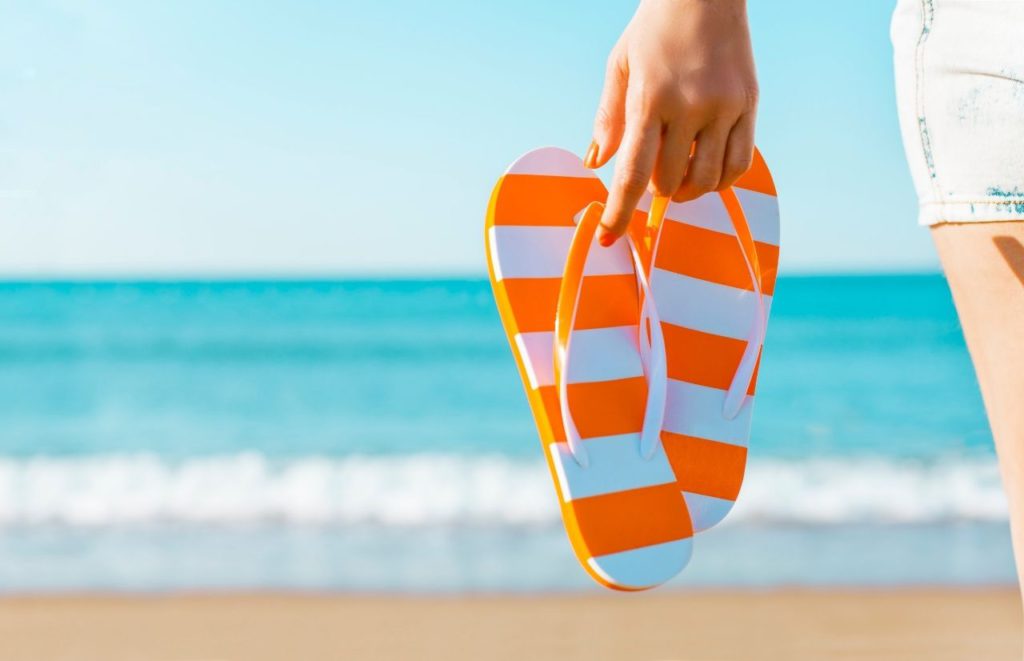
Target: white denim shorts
x,y
960,91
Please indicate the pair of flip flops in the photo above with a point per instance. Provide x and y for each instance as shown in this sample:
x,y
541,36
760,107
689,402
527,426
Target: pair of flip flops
x,y
639,360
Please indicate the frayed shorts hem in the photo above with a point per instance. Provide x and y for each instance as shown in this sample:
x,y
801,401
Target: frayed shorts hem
x,y
972,211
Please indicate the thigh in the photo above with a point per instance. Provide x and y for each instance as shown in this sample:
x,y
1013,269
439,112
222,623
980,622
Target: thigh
x,y
984,263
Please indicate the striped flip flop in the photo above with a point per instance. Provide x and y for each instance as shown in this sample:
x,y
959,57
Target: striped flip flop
x,y
714,268
572,310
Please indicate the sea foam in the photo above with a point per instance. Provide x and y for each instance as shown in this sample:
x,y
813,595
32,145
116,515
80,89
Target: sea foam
x,y
456,490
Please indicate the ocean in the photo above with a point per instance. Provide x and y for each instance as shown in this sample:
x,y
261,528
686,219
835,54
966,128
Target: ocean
x,y
373,435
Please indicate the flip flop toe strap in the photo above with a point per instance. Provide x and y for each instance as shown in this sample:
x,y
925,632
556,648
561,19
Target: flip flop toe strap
x,y
736,395
650,340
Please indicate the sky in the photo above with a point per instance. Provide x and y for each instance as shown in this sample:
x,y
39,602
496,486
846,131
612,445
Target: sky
x,y
257,138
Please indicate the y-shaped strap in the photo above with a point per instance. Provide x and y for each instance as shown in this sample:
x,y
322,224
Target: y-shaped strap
x,y
736,395
650,339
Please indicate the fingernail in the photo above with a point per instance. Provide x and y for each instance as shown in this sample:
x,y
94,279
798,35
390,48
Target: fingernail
x,y
590,160
605,237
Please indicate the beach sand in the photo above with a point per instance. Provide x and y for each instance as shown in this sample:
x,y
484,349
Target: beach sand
x,y
786,624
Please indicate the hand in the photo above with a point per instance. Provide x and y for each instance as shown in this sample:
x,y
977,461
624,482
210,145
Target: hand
x,y
679,98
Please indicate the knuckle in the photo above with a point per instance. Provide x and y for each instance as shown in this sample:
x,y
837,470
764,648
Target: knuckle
x,y
673,106
707,185
722,107
703,181
656,99
700,103
738,165
632,180
724,103
643,109
614,63
751,96
663,92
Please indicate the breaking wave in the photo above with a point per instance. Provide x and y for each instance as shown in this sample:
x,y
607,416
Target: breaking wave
x,y
449,489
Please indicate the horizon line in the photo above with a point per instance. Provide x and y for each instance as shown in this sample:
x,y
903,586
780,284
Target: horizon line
x,y
368,276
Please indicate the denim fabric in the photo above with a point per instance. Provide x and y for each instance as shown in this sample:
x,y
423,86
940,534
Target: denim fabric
x,y
960,91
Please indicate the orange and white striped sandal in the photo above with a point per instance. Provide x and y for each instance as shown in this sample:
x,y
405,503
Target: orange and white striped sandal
x,y
713,276
604,366
572,310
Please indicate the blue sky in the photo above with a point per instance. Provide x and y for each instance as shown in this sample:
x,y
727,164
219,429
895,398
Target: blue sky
x,y
247,138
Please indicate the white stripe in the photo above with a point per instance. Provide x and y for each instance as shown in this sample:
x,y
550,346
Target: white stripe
x,y
643,567
492,249
605,354
705,306
551,161
708,211
693,410
531,251
599,354
537,353
762,212
615,465
706,511
496,262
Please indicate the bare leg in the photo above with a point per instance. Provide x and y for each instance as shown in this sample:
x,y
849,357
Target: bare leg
x,y
984,263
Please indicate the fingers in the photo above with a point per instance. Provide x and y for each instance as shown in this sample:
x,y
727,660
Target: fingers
x,y
705,168
632,173
677,163
739,153
673,157
611,115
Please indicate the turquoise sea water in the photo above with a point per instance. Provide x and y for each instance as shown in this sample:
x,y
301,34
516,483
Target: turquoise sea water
x,y
374,435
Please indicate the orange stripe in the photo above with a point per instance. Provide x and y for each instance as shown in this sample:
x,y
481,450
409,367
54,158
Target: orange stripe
x,y
528,199
599,408
705,467
608,300
742,230
757,178
703,358
549,397
769,270
628,520
712,256
531,303
607,408
605,300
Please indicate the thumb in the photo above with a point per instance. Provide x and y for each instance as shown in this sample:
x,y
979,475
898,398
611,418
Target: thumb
x,y
611,114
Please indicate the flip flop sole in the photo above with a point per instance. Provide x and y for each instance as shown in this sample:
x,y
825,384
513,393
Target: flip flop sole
x,y
704,295
625,515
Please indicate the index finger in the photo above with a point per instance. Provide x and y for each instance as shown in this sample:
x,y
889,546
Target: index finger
x,y
632,174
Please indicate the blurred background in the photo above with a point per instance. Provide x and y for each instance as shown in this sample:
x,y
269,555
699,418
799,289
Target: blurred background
x,y
247,340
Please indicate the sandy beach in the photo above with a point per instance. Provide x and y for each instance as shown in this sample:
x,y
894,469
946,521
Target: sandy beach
x,y
885,624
